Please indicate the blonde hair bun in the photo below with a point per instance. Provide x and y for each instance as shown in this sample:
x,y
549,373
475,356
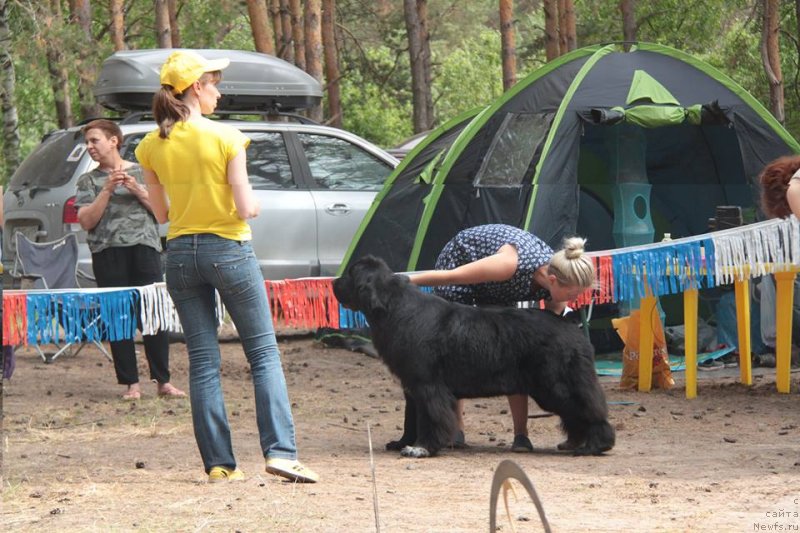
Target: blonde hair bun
x,y
571,266
574,247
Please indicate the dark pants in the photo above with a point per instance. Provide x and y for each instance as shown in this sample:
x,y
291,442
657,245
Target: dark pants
x,y
134,266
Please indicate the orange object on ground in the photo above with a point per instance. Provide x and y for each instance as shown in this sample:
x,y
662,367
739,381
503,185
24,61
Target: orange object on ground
x,y
628,330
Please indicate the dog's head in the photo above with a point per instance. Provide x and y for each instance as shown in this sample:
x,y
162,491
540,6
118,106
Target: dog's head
x,y
365,286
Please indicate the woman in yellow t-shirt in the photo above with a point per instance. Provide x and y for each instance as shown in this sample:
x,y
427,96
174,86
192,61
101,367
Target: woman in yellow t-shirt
x,y
197,175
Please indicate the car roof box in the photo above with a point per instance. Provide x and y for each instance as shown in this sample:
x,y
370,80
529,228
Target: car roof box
x,y
252,82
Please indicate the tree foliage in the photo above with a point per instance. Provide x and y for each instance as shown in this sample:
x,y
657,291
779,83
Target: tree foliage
x,y
372,49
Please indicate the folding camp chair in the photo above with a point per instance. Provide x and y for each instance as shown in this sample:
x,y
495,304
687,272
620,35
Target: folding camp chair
x,y
52,265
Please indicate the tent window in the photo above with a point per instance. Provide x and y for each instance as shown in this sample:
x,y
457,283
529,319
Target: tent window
x,y
512,150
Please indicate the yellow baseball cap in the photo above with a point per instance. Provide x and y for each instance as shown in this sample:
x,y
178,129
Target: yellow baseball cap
x,y
184,67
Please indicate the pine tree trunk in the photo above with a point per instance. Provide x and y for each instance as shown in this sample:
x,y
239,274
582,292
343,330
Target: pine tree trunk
x,y
163,35
287,50
298,38
551,29
331,62
174,29
384,7
59,79
8,81
562,27
277,25
81,16
422,14
628,10
771,58
260,27
508,43
313,42
415,12
117,26
571,26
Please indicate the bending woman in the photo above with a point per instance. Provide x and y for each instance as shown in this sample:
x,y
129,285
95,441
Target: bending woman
x,y
197,175
501,265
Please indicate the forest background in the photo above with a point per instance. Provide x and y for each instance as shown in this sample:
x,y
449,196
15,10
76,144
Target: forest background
x,y
390,68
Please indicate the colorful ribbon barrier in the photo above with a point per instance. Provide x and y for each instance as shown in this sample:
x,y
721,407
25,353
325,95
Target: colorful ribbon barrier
x,y
15,318
304,303
704,261
645,272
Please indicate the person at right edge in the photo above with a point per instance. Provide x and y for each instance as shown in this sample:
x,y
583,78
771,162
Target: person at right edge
x,y
197,176
780,197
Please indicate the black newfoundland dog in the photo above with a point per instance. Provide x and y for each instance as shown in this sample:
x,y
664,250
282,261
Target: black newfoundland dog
x,y
442,351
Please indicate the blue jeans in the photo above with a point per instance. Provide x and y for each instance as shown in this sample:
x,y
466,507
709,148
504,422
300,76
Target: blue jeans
x,y
196,265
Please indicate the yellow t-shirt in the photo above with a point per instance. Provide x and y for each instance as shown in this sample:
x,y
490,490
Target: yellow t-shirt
x,y
192,166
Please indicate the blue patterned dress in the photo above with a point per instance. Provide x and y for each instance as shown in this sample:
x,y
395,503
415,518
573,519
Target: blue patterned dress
x,y
478,242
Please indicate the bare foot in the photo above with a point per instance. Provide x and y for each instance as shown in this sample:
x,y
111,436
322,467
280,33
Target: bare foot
x,y
167,390
133,393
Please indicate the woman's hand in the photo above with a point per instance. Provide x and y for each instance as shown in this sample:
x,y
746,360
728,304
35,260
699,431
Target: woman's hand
x,y
112,181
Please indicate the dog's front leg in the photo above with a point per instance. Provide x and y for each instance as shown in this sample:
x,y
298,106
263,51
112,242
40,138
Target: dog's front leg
x,y
436,420
409,426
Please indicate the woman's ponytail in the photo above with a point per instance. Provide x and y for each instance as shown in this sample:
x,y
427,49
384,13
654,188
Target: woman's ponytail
x,y
167,110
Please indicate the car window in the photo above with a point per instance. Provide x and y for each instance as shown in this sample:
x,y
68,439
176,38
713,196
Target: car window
x,y
338,164
267,159
51,164
129,144
268,162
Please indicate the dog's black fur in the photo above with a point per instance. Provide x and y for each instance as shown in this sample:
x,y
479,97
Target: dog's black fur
x,y
442,351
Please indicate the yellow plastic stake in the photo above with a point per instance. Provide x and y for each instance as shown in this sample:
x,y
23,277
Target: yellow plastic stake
x,y
690,325
784,288
647,307
742,290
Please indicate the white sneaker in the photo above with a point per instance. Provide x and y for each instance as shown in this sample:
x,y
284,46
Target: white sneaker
x,y
291,469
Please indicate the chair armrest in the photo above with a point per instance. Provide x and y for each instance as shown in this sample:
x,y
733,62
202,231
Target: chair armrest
x,y
27,281
85,276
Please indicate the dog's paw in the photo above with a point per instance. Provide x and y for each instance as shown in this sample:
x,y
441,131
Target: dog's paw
x,y
417,452
584,451
569,446
396,445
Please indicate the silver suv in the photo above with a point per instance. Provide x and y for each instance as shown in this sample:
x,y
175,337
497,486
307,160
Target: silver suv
x,y
315,183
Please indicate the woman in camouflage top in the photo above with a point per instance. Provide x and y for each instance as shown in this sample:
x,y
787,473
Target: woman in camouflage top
x,y
114,209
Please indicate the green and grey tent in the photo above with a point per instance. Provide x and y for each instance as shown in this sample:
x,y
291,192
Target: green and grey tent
x,y
390,225
617,146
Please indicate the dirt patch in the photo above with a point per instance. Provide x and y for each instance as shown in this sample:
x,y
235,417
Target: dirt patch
x,y
76,458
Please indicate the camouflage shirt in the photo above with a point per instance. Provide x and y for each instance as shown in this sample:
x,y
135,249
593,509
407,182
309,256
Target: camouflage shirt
x,y
125,222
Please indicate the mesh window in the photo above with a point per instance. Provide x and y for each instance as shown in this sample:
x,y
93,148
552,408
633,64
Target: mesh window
x,y
513,148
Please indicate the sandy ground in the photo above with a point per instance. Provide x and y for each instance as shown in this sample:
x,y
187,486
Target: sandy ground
x,y
77,458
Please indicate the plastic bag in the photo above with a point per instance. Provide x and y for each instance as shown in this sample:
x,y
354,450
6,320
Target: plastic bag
x,y
628,330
